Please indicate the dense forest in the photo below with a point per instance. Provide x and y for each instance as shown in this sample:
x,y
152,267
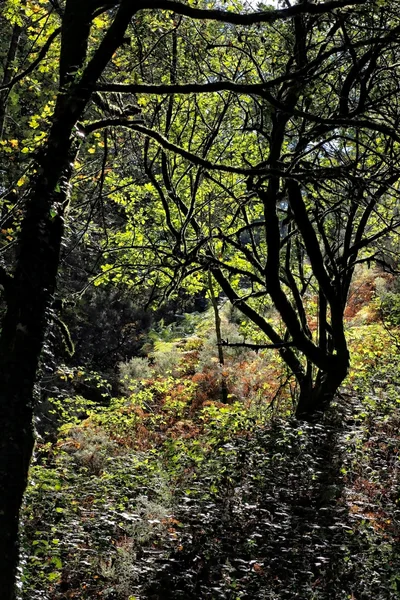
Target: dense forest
x,y
200,299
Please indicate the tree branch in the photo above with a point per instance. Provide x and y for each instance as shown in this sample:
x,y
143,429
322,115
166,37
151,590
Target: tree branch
x,y
269,16
333,122
286,353
167,145
256,347
191,88
261,169
33,65
310,240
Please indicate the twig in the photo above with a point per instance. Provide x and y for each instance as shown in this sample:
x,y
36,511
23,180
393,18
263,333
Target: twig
x,y
256,347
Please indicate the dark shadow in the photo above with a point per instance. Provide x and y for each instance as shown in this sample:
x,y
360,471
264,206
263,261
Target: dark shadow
x,y
277,525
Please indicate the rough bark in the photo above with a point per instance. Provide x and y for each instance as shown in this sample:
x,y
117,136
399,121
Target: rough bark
x,y
32,286
315,399
21,340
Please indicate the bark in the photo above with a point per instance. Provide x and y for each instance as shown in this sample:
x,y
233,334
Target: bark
x,y
33,284
315,399
8,71
218,333
21,342
316,393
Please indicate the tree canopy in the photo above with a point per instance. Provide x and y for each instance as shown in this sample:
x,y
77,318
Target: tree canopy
x,y
183,143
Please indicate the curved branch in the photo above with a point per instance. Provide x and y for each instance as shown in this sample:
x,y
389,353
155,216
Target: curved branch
x,y
269,16
310,240
256,347
167,145
286,353
333,121
33,65
210,87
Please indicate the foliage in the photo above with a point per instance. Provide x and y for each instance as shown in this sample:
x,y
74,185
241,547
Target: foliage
x,y
273,512
169,494
278,179
164,149
133,372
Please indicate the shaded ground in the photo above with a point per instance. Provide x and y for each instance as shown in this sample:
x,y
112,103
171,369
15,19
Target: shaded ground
x,y
286,520
286,510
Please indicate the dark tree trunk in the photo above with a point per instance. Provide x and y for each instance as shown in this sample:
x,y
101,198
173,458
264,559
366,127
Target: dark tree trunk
x,y
30,291
29,294
316,397
16,448
218,333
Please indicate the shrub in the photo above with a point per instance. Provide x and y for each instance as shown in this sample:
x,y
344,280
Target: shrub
x,y
133,372
167,363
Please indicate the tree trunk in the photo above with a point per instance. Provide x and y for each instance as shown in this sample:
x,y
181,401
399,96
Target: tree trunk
x,y
316,398
16,448
30,292
218,333
23,329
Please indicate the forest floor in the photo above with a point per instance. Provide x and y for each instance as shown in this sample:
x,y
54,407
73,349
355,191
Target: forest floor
x,y
169,494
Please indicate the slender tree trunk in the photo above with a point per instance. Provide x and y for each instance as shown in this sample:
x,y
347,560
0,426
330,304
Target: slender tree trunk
x,y
8,73
217,321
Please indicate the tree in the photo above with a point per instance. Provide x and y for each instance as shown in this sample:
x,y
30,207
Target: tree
x,y
30,288
279,173
86,40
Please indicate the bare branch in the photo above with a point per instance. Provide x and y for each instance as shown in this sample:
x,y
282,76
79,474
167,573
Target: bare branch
x,y
261,169
256,347
190,88
35,63
335,120
270,16
167,145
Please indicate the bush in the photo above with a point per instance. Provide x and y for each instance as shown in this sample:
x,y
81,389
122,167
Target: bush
x,y
133,372
167,363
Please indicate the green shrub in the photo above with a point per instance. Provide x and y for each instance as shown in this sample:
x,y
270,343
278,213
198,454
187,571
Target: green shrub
x,y
133,373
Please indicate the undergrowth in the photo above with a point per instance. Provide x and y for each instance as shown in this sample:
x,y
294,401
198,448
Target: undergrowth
x,y
168,493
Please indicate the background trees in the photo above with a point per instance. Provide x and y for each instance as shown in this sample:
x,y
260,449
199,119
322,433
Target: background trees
x,y
261,147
